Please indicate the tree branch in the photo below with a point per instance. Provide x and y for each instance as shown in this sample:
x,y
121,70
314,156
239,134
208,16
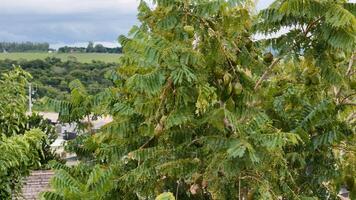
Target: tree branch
x,y
348,74
347,96
162,98
349,69
348,104
264,75
309,26
351,117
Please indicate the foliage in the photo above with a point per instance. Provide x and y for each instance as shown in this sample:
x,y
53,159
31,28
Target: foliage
x,y
24,140
52,76
13,101
13,107
23,47
77,108
82,146
19,154
322,24
77,57
37,121
204,112
82,182
98,48
165,196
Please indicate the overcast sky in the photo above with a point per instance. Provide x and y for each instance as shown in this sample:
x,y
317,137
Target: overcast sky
x,y
73,22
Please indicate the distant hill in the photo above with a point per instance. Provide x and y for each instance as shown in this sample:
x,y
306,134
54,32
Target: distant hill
x,y
51,75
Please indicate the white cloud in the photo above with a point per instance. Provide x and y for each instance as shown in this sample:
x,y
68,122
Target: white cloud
x,y
80,6
262,4
66,21
69,21
84,44
8,36
67,6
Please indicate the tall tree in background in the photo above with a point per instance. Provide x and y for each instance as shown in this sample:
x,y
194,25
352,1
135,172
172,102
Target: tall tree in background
x,y
23,47
90,47
78,108
204,112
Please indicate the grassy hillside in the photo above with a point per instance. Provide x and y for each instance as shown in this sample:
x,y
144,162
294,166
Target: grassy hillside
x,y
80,57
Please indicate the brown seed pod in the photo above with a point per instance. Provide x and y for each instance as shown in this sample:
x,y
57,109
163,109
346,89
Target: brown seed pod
x,y
195,189
268,57
158,128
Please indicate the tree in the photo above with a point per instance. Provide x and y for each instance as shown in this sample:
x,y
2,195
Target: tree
x,y
86,182
316,28
51,76
204,112
77,109
23,47
99,48
19,154
46,153
21,144
90,47
13,102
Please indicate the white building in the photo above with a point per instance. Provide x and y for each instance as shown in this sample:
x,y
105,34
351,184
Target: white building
x,y
62,128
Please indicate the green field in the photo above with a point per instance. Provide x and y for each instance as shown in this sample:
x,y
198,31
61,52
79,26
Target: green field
x,y
80,57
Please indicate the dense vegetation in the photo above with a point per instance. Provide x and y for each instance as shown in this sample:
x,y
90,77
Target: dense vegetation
x,y
202,111
91,48
51,76
11,47
24,140
23,47
78,57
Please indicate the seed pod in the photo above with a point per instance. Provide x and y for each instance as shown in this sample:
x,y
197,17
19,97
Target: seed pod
x,y
227,78
219,73
248,44
204,183
307,80
195,189
237,89
197,178
268,57
339,56
250,195
309,71
353,84
226,91
158,128
163,119
229,89
189,30
315,79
